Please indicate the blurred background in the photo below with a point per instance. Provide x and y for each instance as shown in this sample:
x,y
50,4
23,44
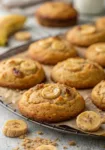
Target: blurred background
x,y
88,9
27,7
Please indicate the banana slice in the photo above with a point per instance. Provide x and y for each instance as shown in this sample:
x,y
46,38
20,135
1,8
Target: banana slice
x,y
28,66
87,29
100,48
51,92
58,45
15,128
22,36
44,43
73,67
89,121
46,147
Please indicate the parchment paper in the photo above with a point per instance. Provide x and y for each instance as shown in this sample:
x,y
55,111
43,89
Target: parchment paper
x,y
9,95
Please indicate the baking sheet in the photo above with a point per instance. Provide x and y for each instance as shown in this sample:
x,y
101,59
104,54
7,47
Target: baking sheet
x,y
12,96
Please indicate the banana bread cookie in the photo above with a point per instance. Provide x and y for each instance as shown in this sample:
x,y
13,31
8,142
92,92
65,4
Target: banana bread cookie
x,y
96,52
85,35
100,23
51,50
51,103
56,14
20,73
98,95
78,73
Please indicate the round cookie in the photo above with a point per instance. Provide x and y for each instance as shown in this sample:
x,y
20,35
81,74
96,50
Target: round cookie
x,y
51,50
96,52
20,73
56,14
98,95
78,73
100,23
85,35
51,103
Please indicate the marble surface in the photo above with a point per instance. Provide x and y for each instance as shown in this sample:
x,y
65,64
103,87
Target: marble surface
x,y
83,143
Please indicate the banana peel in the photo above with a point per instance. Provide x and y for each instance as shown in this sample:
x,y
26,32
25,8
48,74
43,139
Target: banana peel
x,y
8,25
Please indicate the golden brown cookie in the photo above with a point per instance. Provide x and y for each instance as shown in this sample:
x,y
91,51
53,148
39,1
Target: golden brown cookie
x,y
56,14
51,103
20,73
96,52
85,35
51,50
98,95
100,23
78,73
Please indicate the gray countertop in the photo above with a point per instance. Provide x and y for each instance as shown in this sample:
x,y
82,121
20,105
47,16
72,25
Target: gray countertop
x,y
83,143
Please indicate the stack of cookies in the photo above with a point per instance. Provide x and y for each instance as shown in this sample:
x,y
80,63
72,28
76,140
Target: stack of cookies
x,y
60,100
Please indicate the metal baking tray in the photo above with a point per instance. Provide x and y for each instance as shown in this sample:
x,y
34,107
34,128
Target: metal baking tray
x,y
8,106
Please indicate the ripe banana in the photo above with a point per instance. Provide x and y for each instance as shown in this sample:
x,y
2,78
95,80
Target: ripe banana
x,y
8,25
15,128
46,147
51,92
89,121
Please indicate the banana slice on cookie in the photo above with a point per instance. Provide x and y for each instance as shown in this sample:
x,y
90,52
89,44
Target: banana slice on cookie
x,y
87,29
28,66
15,128
58,45
51,92
46,147
89,121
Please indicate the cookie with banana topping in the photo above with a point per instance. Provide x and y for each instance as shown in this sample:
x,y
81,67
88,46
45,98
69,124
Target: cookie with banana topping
x,y
20,73
98,95
85,35
51,103
78,72
96,53
51,50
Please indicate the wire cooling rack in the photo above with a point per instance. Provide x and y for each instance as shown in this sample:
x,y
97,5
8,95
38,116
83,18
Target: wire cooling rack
x,y
10,106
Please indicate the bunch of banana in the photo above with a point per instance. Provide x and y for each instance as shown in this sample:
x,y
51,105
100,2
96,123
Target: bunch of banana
x,y
8,25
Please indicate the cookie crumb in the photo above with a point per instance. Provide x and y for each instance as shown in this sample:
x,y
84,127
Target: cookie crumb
x,y
40,133
22,136
65,147
29,143
72,143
